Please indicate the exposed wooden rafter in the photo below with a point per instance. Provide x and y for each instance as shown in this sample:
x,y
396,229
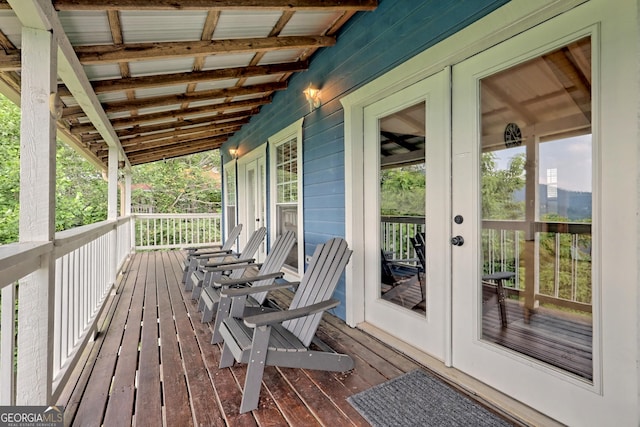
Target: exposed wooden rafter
x,y
100,54
168,100
141,98
307,5
147,82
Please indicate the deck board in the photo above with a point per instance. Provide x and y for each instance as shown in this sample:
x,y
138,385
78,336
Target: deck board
x,y
121,399
94,397
148,406
178,411
167,349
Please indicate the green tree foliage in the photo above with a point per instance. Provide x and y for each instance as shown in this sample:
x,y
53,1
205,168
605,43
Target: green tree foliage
x,y
9,170
81,191
402,191
562,257
187,184
499,186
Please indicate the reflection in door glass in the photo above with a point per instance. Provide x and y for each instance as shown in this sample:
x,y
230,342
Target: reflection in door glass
x,y
536,182
402,208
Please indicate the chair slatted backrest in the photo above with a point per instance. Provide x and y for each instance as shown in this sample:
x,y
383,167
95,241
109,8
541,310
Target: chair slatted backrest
x,y
226,246
248,251
232,237
419,245
275,260
253,243
317,285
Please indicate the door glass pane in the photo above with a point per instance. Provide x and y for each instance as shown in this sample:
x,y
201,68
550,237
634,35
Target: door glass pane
x,y
536,167
402,207
287,194
230,202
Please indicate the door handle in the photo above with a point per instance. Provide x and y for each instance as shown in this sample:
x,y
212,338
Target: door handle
x,y
457,241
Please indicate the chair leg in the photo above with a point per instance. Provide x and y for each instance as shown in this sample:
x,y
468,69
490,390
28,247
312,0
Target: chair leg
x,y
193,264
195,292
221,313
207,316
226,358
255,369
201,304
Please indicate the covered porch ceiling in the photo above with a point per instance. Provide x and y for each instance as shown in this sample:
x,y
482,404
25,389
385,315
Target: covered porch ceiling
x,y
167,78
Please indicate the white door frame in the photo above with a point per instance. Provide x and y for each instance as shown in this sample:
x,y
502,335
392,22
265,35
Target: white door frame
x,y
429,333
618,388
257,157
500,25
556,393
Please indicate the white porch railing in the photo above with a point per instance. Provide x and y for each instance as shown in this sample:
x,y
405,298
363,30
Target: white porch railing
x,y
174,231
395,235
561,281
83,280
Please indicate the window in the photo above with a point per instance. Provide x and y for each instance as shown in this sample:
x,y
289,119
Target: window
x,y
230,194
286,190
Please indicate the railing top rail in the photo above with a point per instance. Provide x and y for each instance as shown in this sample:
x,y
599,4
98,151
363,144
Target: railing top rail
x,y
121,220
539,226
69,240
403,219
177,215
18,259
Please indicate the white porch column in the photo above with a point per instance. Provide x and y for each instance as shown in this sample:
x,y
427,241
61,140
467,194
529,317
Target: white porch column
x,y
127,210
112,212
37,216
127,192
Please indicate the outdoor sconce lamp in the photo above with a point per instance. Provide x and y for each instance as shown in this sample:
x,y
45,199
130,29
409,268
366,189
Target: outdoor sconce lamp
x,y
233,152
313,97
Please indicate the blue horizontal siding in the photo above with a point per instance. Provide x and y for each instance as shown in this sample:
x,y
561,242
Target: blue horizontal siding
x,y
369,45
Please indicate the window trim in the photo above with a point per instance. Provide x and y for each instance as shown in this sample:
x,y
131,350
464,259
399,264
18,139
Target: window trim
x,y
227,167
294,130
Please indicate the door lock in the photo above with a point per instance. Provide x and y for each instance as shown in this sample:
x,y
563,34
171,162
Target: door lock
x,y
457,241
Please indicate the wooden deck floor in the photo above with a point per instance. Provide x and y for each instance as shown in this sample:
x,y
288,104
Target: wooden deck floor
x,y
153,365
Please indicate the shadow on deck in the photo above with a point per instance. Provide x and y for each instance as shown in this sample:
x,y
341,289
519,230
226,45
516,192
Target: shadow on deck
x,y
153,364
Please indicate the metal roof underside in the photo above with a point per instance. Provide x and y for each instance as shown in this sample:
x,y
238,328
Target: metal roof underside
x,y
177,77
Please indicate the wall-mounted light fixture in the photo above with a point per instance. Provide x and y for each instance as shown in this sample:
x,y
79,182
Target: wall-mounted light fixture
x,y
233,152
313,97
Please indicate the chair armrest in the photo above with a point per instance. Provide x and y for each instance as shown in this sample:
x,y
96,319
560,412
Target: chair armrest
x,y
210,254
276,317
213,266
197,248
227,267
238,292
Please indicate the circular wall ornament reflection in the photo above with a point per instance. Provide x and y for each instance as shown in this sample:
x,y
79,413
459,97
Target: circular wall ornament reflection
x,y
512,135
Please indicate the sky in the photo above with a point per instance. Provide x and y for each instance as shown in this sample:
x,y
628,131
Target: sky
x,y
572,157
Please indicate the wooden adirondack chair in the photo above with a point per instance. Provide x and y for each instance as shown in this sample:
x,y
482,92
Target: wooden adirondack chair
x,y
420,246
398,274
282,338
199,276
191,263
256,276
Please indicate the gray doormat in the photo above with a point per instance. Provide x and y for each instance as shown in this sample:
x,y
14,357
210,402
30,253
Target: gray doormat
x,y
419,399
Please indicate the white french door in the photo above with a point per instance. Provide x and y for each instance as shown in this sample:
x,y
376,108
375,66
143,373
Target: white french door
x,y
526,146
251,200
406,192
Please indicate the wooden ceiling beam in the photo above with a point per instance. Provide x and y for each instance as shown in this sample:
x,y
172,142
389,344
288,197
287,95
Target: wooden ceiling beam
x,y
138,130
146,82
131,52
178,114
176,151
306,5
164,143
169,100
180,135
